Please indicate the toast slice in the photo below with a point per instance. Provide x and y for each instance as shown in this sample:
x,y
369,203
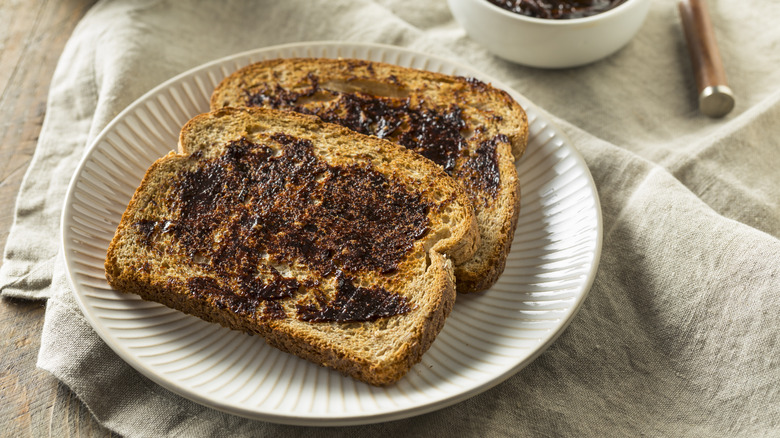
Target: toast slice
x,y
334,246
472,130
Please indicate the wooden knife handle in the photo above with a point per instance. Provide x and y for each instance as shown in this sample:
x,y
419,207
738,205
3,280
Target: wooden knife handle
x,y
715,97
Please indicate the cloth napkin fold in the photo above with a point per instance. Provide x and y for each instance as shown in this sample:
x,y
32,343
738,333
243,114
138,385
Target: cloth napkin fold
x,y
678,336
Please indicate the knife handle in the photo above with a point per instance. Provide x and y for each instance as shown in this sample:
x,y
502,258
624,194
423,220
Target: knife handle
x,y
715,97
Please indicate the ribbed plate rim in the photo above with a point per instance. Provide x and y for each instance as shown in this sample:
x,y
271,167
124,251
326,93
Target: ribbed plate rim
x,y
344,418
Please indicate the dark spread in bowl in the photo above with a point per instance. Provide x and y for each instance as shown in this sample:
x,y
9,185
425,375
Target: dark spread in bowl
x,y
557,9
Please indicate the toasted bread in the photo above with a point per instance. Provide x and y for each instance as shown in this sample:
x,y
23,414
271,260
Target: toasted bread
x,y
334,246
474,131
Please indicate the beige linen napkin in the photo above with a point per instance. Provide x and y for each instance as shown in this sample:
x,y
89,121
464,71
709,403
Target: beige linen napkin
x,y
679,334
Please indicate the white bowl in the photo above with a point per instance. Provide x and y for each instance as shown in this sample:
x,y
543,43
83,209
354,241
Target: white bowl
x,y
550,43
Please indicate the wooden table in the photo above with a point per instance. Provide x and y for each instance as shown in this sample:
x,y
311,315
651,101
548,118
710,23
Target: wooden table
x,y
32,36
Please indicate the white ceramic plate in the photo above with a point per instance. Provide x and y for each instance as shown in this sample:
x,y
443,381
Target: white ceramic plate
x,y
488,337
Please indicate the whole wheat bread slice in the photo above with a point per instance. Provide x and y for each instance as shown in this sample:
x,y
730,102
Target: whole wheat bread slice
x,y
334,246
474,131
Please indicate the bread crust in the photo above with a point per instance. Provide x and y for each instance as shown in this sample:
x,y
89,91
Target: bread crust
x,y
329,87
149,261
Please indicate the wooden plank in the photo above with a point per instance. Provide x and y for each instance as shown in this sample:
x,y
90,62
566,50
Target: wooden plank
x,y
32,36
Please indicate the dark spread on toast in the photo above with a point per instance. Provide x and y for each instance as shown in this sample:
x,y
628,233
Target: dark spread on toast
x,y
432,133
247,215
256,296
481,170
147,228
476,84
354,303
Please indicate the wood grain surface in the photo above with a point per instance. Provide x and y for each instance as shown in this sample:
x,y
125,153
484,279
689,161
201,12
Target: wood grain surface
x,y
32,36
